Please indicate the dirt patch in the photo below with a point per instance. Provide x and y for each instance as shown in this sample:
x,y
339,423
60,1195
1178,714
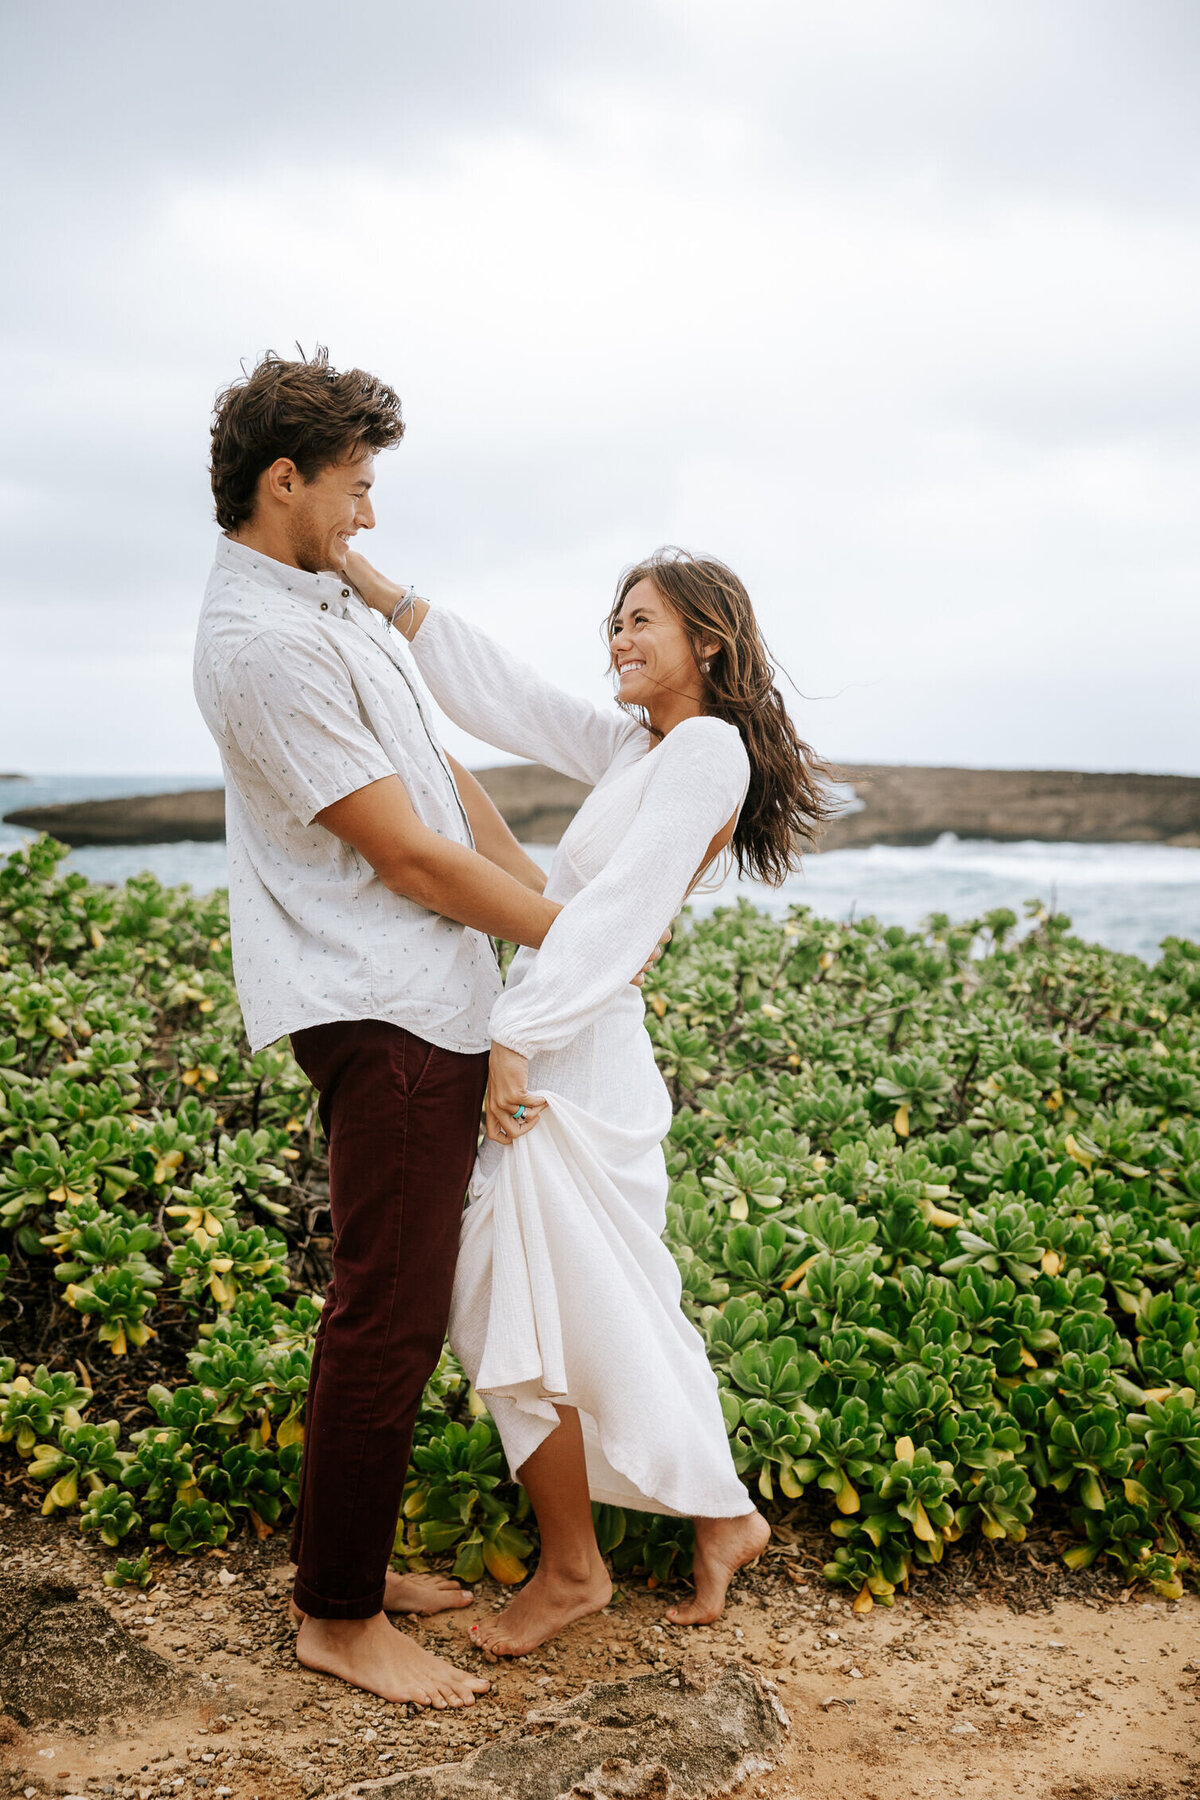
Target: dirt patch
x,y
64,1658
950,1693
1138,1790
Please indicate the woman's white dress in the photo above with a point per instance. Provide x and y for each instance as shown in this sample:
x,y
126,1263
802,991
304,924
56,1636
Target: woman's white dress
x,y
565,1292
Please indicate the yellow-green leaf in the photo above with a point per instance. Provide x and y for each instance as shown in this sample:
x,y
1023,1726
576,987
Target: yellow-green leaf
x,y
291,1431
921,1526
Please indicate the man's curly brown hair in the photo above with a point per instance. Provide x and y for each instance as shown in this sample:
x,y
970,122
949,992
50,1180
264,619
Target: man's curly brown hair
x,y
305,410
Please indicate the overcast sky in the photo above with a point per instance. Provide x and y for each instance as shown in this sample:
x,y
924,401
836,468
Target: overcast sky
x,y
892,306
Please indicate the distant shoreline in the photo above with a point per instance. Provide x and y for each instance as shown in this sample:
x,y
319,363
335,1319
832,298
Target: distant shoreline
x,y
899,805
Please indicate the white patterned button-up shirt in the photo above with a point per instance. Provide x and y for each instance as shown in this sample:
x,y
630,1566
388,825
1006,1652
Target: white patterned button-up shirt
x,y
311,696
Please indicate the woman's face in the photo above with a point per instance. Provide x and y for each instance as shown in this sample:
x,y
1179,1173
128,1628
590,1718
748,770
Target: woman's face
x,y
650,650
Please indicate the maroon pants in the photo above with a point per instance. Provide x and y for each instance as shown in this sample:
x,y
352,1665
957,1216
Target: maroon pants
x,y
402,1120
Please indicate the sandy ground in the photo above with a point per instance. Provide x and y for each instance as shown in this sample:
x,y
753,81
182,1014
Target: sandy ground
x,y
1088,1697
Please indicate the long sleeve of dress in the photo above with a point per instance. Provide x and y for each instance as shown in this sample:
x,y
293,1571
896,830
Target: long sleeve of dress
x,y
506,702
604,935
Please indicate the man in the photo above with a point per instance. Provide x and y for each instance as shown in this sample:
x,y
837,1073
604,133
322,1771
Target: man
x,y
367,871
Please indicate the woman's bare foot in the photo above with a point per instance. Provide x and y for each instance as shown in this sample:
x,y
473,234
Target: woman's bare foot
x,y
544,1606
413,1594
371,1654
723,1546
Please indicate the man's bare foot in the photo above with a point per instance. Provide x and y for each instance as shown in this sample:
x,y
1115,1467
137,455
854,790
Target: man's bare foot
x,y
371,1654
414,1593
723,1546
544,1606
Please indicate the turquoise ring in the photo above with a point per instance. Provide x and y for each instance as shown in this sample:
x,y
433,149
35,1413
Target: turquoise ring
x,y
519,1114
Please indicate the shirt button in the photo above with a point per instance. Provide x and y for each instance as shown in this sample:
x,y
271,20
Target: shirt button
x,y
324,606
345,593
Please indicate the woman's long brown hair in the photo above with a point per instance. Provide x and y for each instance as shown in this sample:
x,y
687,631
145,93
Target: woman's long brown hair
x,y
787,802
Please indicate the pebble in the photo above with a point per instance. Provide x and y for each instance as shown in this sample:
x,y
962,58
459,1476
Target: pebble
x,y
963,1730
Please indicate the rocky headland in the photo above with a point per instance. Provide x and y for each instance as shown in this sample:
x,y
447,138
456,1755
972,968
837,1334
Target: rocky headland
x,y
897,805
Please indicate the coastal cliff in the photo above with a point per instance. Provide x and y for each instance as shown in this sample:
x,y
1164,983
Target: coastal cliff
x,y
898,805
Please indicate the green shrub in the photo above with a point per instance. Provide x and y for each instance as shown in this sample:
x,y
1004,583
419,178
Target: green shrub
x,y
934,1199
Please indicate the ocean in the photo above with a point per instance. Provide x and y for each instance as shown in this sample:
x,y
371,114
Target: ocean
x,y
1128,896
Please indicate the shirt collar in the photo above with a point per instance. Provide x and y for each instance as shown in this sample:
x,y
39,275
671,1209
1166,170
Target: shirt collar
x,y
325,592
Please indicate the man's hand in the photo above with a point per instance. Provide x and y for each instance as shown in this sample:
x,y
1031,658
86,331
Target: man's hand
x,y
507,1090
663,941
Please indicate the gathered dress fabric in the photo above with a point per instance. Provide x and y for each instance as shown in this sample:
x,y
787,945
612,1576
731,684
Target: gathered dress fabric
x,y
565,1294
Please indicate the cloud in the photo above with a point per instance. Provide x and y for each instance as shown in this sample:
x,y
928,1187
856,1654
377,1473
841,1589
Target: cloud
x,y
887,305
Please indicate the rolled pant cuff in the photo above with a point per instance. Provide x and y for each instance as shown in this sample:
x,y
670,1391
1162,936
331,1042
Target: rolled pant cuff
x,y
317,1607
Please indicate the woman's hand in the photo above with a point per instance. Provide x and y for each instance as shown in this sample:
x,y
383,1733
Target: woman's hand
x,y
382,595
507,1090
370,585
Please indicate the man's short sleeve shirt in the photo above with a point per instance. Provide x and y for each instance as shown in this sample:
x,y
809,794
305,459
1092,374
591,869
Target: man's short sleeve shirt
x,y
310,697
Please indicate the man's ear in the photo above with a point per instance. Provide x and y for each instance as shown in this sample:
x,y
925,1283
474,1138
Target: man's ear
x,y
281,481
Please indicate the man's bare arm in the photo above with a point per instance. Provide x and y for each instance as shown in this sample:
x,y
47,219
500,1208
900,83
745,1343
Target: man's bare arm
x,y
379,822
492,837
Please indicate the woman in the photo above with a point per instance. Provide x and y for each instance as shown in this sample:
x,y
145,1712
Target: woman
x,y
566,1312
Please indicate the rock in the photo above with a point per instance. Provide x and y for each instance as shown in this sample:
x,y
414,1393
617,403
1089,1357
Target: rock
x,y
197,815
895,805
915,805
649,1738
63,1658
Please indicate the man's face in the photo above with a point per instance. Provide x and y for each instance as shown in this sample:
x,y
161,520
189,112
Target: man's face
x,y
327,511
